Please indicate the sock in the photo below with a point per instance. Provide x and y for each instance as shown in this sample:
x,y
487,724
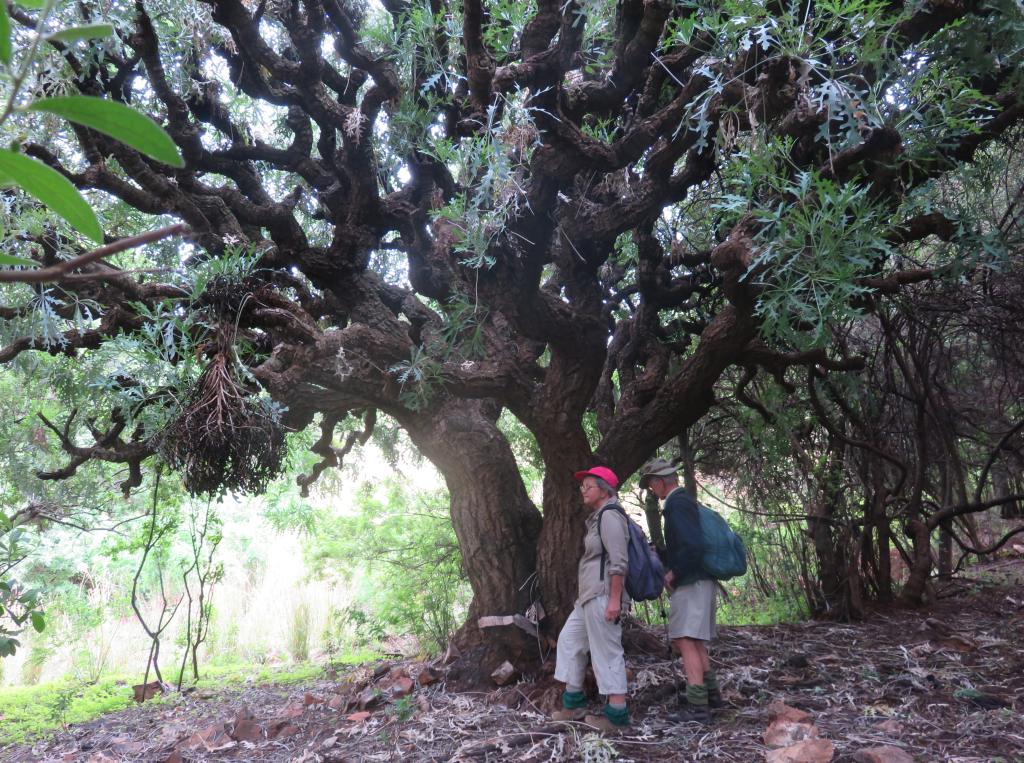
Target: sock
x,y
617,714
573,699
711,681
697,694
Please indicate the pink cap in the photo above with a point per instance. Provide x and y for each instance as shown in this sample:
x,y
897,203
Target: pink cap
x,y
602,472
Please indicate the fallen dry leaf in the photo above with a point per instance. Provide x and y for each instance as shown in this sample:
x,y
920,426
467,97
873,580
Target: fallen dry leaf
x,y
808,751
882,754
782,733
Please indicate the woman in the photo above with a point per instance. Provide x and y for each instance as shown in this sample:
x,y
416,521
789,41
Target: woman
x,y
593,627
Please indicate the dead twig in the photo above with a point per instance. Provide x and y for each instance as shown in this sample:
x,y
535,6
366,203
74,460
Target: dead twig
x,y
61,269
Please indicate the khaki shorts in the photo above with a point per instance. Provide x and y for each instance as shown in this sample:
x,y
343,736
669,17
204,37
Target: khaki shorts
x,y
692,611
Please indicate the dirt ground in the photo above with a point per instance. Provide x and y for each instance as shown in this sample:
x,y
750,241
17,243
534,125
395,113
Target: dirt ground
x,y
942,683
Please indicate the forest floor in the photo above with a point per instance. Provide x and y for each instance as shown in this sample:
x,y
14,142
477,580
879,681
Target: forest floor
x,y
940,683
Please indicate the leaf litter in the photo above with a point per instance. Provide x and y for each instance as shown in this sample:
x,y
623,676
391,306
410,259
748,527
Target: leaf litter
x,y
942,683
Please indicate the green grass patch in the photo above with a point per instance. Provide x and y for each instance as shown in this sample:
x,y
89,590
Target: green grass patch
x,y
772,611
217,676
28,712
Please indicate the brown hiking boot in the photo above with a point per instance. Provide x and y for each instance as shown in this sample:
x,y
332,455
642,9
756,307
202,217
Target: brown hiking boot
x,y
604,725
569,714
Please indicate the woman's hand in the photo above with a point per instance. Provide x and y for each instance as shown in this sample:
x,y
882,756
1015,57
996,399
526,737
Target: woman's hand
x,y
670,578
613,610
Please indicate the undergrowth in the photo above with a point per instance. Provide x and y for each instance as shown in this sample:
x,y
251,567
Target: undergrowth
x,y
30,712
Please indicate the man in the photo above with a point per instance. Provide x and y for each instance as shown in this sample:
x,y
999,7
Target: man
x,y
692,591
593,627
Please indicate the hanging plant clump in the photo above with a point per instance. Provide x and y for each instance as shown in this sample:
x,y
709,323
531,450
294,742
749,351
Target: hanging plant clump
x,y
224,438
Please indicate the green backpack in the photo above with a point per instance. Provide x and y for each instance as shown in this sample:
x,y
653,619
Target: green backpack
x,y
725,556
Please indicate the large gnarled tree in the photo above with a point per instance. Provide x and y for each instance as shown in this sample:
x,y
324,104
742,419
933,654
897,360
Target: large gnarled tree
x,y
583,213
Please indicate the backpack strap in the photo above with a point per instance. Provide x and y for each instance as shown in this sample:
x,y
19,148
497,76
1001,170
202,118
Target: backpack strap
x,y
604,551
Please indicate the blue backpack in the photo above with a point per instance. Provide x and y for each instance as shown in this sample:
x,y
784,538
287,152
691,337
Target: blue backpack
x,y
645,577
725,556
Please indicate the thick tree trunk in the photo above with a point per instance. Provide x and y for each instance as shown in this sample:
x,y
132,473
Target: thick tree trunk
x,y
561,539
1001,484
880,520
830,589
945,536
830,544
496,524
913,592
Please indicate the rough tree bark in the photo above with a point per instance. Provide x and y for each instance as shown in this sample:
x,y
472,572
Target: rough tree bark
x,y
496,523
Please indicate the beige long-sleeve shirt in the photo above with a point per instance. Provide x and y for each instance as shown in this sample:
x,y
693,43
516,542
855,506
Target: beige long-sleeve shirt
x,y
615,534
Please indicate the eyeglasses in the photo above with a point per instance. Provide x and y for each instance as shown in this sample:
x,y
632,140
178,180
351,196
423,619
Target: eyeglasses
x,y
585,488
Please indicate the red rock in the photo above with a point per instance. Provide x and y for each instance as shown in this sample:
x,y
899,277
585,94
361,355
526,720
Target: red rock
x,y
782,711
292,711
212,738
147,691
808,751
402,687
782,733
359,717
336,702
312,699
885,753
279,727
247,730
428,676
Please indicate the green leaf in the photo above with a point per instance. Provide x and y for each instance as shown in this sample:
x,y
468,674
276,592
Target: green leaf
x,y
10,259
38,621
116,120
5,34
8,646
34,5
52,189
85,32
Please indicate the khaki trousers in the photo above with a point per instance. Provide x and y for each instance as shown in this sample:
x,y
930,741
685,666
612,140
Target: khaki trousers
x,y
586,631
